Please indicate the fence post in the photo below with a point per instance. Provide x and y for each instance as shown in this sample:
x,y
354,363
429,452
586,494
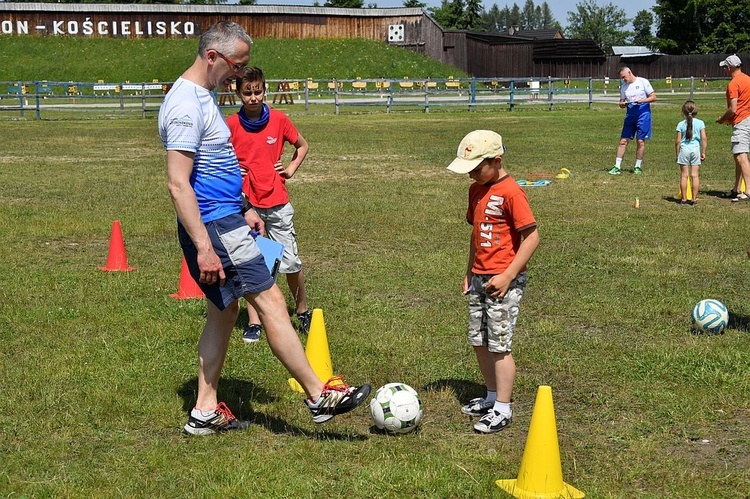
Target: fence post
x,y
122,99
550,94
591,92
511,87
692,86
36,92
472,93
143,100
426,98
336,95
389,106
307,95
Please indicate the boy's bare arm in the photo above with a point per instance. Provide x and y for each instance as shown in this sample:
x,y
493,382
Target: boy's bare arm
x,y
301,148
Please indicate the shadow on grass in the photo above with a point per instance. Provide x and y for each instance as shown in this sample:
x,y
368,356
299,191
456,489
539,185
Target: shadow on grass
x,y
716,194
238,393
710,194
462,389
739,322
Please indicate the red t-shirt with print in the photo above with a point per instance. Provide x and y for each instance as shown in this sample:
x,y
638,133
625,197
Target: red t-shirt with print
x,y
497,212
258,151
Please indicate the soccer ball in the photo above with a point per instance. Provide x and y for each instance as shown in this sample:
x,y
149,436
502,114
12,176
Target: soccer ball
x,y
396,408
710,316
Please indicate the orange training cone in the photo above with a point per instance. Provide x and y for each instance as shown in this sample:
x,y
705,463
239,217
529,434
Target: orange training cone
x,y
187,288
316,351
540,475
117,260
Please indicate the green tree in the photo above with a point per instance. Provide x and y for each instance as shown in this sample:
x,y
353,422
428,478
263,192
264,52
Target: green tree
x,y
642,28
604,24
471,18
345,4
443,14
702,26
515,18
414,4
456,14
531,15
491,20
548,20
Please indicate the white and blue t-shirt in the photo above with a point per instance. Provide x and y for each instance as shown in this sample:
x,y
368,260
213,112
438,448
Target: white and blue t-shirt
x,y
190,120
638,90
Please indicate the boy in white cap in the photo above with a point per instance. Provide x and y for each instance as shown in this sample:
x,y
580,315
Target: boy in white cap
x,y
738,115
503,239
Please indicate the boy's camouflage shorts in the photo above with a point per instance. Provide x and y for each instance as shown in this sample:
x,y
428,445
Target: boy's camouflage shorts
x,y
493,320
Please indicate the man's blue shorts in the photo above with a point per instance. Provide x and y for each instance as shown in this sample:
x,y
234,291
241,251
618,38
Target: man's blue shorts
x,y
246,271
637,125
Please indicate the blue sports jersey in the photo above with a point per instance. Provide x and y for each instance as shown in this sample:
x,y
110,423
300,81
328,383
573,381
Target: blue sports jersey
x,y
190,120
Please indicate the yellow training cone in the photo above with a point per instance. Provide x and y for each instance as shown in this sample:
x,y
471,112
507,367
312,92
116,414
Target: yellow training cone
x,y
540,475
316,351
688,190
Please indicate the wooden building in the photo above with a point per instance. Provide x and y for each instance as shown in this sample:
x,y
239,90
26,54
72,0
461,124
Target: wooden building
x,y
512,54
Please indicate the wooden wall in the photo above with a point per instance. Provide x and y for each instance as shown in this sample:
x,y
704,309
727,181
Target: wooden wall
x,y
180,21
481,55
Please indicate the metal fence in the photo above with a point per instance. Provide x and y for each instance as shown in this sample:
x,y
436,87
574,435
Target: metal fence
x,y
66,100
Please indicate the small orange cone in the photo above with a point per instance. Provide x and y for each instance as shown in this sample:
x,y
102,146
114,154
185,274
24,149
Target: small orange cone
x,y
540,476
316,351
117,260
187,287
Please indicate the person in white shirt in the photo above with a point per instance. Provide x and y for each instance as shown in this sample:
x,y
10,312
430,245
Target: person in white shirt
x,y
636,95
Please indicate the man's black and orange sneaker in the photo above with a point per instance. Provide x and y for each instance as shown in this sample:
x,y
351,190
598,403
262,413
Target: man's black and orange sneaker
x,y
220,420
337,398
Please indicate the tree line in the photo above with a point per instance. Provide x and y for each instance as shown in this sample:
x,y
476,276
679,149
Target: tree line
x,y
682,26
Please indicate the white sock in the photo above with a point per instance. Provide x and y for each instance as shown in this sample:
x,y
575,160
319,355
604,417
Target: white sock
x,y
491,396
638,163
503,408
618,162
197,413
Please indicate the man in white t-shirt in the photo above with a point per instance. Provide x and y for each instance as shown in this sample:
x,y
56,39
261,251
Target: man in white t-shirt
x,y
636,94
205,184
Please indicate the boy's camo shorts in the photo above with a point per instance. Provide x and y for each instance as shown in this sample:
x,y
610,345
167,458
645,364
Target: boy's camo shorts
x,y
493,320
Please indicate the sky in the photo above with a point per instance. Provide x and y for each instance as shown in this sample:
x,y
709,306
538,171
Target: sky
x,y
560,8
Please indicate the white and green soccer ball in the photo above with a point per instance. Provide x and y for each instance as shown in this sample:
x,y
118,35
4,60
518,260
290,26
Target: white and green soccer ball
x,y
710,316
396,408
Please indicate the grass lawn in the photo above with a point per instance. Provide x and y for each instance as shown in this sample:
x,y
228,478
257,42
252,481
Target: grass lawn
x,y
99,369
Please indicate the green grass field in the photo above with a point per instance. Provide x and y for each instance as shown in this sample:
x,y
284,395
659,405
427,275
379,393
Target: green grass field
x,y
99,369
91,59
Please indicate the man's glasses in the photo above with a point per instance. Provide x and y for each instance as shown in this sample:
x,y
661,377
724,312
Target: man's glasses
x,y
237,68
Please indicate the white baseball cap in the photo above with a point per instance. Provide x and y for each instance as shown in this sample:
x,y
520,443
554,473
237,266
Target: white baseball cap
x,y
732,61
476,147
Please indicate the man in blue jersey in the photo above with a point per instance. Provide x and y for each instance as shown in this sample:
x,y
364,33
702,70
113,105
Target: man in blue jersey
x,y
205,184
636,95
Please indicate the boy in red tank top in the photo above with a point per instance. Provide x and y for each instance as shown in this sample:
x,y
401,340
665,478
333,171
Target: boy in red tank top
x,y
503,239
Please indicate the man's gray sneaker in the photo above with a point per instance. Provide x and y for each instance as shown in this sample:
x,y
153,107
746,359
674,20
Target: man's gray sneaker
x,y
477,407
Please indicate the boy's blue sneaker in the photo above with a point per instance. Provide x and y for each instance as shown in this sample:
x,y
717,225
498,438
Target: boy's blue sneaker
x,y
477,407
251,333
492,422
